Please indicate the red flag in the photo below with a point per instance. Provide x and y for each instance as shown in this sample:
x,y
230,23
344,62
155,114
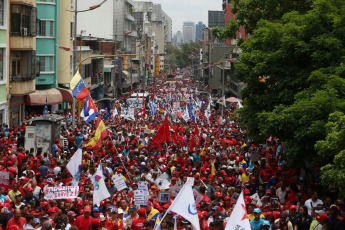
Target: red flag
x,y
195,139
143,111
163,134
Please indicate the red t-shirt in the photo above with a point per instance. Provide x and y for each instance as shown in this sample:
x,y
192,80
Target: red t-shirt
x,y
138,223
83,223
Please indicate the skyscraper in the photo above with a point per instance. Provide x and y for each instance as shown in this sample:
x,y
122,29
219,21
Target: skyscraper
x,y
188,32
198,31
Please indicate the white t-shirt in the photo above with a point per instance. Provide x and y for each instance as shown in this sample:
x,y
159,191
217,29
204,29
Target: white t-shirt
x,y
310,204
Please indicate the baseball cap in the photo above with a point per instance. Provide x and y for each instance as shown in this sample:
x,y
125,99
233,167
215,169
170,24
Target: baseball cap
x,y
323,217
142,211
257,210
293,207
247,200
52,210
95,209
218,194
87,208
71,213
246,191
120,211
43,204
217,208
132,209
266,223
113,209
50,180
147,203
5,211
37,221
29,189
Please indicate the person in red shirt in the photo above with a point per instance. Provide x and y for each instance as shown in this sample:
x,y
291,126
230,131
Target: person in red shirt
x,y
16,220
84,222
138,223
114,223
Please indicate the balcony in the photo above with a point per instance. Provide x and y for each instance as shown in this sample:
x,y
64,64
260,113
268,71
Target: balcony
x,y
129,17
23,72
23,43
20,86
25,2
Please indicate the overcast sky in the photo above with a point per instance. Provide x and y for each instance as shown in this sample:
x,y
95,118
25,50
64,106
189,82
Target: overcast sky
x,y
188,10
99,22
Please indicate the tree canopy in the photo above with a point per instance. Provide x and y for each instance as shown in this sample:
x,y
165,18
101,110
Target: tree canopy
x,y
293,66
180,57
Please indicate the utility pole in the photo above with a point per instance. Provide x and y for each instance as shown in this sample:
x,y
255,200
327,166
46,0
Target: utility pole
x,y
223,80
115,62
74,56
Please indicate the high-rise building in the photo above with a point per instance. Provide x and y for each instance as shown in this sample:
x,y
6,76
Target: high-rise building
x,y
188,32
178,39
198,31
216,18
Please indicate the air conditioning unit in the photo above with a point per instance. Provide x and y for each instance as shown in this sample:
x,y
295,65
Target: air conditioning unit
x,y
24,31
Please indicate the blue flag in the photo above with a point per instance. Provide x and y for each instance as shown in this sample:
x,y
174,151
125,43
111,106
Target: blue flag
x,y
45,110
152,107
107,113
190,110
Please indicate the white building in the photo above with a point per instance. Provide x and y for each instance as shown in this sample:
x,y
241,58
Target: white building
x,y
188,32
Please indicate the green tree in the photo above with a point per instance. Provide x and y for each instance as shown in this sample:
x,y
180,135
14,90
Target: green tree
x,y
250,12
300,57
180,58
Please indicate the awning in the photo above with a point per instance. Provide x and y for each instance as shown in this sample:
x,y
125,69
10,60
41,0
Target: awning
x,y
39,97
66,95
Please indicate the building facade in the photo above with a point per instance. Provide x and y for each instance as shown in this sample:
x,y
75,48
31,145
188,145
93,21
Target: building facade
x,y
4,51
47,41
22,58
198,31
188,32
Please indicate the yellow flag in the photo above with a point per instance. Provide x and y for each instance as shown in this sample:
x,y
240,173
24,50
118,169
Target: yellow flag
x,y
101,127
213,170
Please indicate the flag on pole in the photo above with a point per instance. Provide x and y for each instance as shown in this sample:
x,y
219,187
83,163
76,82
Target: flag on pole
x,y
78,87
239,218
100,191
161,109
100,134
89,111
195,139
152,107
115,112
184,205
222,101
74,166
163,134
45,110
107,112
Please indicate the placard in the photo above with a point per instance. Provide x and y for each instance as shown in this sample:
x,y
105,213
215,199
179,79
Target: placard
x,y
142,185
192,180
139,197
119,182
61,192
162,183
176,189
256,199
4,179
197,196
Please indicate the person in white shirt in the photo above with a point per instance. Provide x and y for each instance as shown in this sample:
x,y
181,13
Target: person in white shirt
x,y
313,202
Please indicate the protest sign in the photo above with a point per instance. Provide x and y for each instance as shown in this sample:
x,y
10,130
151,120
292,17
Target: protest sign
x,y
4,179
176,189
256,199
192,179
197,196
119,183
61,192
139,197
162,183
142,185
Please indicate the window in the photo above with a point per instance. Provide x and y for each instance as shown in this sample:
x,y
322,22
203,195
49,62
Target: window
x,y
51,64
51,27
23,20
2,51
42,28
42,60
2,12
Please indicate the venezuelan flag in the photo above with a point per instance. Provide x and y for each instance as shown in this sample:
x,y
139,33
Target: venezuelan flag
x,y
78,87
161,109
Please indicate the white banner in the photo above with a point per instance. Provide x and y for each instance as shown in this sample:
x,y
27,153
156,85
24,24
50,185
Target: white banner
x,y
62,192
142,185
119,182
5,179
139,197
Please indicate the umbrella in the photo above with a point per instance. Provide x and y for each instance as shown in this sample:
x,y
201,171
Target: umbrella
x,y
233,99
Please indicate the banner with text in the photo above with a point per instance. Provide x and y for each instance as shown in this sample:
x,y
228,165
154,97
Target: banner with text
x,y
4,179
62,192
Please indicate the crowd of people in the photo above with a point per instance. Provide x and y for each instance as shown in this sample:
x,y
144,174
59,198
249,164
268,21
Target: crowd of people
x,y
224,164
